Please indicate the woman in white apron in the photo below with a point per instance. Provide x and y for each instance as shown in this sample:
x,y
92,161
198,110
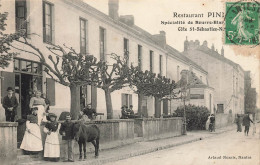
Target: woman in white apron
x,y
32,140
52,144
39,102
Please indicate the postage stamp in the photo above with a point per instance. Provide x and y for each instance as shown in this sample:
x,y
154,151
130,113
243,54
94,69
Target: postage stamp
x,y
242,23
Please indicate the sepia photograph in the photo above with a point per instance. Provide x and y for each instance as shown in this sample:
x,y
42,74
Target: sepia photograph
x,y
129,82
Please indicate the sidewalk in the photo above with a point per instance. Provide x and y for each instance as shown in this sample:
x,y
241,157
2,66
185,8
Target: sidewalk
x,y
138,148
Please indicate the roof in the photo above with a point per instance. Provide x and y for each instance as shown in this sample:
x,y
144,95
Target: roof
x,y
216,55
175,53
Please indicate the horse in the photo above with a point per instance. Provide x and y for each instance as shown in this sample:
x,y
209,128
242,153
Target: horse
x,y
86,133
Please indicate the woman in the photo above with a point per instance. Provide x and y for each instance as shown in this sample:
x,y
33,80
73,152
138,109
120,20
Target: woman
x,y
52,144
238,122
32,141
39,102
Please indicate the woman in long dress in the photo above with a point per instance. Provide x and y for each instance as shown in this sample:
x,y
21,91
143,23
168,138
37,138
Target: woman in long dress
x,y
39,102
52,144
32,141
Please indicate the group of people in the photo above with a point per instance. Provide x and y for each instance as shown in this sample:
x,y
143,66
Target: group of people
x,y
127,113
245,120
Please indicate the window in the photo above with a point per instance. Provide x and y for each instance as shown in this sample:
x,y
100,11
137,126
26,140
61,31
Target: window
x,y
126,99
20,15
47,22
178,73
160,64
126,50
102,32
21,65
140,56
151,61
220,108
83,40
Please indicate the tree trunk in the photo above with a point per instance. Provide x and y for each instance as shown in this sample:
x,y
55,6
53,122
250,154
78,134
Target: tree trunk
x,y
140,104
109,104
75,101
157,107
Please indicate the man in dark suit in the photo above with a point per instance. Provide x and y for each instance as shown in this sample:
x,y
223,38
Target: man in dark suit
x,y
10,104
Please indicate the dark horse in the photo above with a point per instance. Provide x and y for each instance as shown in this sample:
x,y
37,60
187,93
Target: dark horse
x,y
86,133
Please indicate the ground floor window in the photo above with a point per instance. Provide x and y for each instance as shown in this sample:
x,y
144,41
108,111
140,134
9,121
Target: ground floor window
x,y
220,108
126,99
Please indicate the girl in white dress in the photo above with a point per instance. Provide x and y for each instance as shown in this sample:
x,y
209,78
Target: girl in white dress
x,y
52,144
32,140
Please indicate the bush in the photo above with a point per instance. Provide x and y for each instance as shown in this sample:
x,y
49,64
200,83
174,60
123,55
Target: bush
x,y
196,116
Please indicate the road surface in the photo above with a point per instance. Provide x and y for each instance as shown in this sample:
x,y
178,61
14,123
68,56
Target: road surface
x,y
230,148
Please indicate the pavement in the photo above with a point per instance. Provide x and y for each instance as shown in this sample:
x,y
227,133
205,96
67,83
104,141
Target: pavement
x,y
137,148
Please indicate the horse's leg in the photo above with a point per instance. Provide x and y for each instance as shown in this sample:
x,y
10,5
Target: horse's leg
x,y
80,149
84,148
96,145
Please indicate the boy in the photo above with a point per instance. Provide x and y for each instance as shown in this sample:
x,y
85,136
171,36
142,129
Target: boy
x,y
66,130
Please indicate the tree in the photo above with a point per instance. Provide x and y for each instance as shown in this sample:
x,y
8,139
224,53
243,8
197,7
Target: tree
x,y
63,64
5,55
111,78
148,84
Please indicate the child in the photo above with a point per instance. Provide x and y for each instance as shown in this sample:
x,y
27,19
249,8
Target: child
x,y
32,141
66,131
52,144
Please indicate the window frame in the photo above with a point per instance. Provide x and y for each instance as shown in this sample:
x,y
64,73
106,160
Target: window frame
x,y
151,57
85,35
102,54
140,53
45,40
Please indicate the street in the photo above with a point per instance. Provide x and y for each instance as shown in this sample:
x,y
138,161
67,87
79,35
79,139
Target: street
x,y
230,148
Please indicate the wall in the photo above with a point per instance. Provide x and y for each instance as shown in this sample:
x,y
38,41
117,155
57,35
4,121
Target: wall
x,y
223,120
8,142
154,128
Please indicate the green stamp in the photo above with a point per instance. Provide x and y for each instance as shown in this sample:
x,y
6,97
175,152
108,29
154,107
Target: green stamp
x,y
242,23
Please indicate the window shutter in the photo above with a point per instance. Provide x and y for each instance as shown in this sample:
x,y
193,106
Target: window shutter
x,y
123,99
130,100
94,97
165,107
8,80
50,90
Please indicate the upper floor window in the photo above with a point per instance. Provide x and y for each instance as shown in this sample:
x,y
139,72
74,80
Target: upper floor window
x,y
21,16
160,64
140,56
102,44
83,40
151,60
126,50
47,22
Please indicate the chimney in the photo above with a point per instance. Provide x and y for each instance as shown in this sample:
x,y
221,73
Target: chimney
x,y
113,9
222,51
186,44
212,47
160,38
205,43
127,19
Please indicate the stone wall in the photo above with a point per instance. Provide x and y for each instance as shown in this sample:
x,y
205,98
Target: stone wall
x,y
8,143
223,120
156,128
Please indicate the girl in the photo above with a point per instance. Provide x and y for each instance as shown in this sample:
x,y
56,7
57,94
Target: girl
x,y
52,145
32,141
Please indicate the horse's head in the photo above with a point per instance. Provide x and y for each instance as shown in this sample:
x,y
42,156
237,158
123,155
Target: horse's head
x,y
76,131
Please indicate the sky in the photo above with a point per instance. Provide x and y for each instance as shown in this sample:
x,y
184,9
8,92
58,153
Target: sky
x,y
148,15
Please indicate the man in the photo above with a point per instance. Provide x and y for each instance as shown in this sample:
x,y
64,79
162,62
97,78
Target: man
x,y
66,130
246,123
90,112
212,123
124,112
10,104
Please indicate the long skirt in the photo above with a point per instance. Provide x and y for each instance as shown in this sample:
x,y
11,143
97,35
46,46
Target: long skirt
x,y
52,146
32,141
41,114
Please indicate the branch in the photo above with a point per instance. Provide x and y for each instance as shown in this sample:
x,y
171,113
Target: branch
x,y
26,51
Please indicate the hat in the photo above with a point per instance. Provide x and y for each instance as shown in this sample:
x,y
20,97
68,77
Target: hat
x,y
10,88
52,115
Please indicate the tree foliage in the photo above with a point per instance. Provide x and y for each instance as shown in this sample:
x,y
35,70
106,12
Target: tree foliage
x,y
196,116
5,55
